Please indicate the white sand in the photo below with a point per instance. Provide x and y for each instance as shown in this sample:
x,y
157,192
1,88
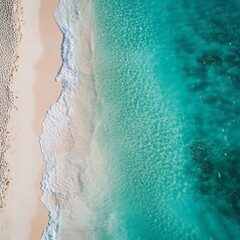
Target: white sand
x,y
25,217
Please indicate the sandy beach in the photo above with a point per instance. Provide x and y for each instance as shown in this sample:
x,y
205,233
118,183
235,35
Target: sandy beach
x,y
24,216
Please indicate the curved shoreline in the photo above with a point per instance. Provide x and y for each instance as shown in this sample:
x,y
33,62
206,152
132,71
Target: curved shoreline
x,y
67,128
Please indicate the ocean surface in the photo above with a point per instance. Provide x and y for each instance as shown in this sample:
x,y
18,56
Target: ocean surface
x,y
143,143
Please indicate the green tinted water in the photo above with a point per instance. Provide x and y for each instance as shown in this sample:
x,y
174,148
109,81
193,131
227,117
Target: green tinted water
x,y
168,86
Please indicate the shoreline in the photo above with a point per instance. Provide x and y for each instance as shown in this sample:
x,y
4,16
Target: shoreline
x,y
45,88
25,217
68,128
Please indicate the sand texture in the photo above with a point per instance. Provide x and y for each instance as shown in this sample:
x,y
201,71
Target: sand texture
x,y
10,36
34,90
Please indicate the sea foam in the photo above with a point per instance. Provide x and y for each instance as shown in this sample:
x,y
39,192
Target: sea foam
x,y
61,182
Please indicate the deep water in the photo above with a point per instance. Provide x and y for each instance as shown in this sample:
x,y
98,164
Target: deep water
x,y
167,81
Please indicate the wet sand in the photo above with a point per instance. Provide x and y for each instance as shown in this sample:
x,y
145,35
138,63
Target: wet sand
x,y
45,89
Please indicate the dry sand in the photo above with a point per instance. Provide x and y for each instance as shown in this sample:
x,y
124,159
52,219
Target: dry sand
x,y
25,217
10,36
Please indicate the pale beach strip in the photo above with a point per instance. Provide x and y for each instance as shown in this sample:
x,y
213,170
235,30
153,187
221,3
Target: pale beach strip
x,y
24,216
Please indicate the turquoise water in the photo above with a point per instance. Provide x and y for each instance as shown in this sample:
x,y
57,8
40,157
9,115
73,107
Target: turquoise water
x,y
144,145
166,77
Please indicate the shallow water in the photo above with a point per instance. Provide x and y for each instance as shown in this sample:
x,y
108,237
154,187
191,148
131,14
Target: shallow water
x,y
163,161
